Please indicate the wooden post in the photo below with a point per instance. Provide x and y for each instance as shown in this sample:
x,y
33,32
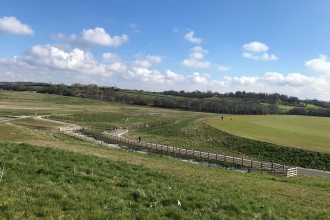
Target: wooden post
x,y
261,167
216,157
251,163
233,160
242,161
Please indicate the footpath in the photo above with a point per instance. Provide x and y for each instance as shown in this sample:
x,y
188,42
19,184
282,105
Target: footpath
x,y
119,132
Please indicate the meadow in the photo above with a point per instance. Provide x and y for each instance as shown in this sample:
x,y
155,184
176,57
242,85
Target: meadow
x,y
304,132
55,176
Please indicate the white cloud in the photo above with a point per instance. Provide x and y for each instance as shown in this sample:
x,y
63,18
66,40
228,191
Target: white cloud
x,y
321,64
292,84
197,53
255,47
135,27
154,59
197,78
223,68
110,57
50,60
146,62
175,30
196,63
263,56
253,50
99,36
173,77
11,25
90,37
195,60
49,63
190,37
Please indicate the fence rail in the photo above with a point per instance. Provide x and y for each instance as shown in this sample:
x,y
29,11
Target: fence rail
x,y
253,166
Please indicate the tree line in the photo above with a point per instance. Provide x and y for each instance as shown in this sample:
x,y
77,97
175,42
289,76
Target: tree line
x,y
228,103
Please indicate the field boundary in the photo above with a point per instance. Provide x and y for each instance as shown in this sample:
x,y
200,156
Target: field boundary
x,y
252,165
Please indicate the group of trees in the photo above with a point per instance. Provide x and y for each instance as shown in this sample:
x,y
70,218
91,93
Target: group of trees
x,y
228,103
274,98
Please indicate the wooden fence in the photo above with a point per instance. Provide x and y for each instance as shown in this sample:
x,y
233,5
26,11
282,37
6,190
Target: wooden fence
x,y
252,165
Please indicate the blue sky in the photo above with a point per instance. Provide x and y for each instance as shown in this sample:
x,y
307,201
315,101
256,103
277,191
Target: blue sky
x,y
225,46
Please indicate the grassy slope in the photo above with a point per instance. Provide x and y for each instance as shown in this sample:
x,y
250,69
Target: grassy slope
x,y
48,183
41,182
193,134
303,132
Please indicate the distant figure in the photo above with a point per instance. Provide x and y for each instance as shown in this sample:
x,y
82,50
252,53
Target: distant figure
x,y
231,119
222,117
139,138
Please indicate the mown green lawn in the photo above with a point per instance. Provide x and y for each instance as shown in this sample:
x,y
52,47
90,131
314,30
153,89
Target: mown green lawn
x,y
304,132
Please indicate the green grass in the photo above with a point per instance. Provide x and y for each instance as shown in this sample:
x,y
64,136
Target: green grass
x,y
305,132
193,134
56,184
35,122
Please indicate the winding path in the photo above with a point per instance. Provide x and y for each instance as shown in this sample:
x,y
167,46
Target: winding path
x,y
119,132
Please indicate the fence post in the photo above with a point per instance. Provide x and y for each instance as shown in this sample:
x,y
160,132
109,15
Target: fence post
x,y
233,160
242,161
261,167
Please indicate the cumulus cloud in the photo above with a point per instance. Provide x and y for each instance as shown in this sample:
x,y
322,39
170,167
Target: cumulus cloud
x,y
254,49
90,37
197,78
50,63
190,37
197,53
99,36
50,60
110,57
320,64
264,56
146,62
11,25
223,68
291,84
173,77
195,60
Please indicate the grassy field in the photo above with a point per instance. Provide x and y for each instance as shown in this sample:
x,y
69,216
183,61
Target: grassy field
x,y
112,184
305,132
54,176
